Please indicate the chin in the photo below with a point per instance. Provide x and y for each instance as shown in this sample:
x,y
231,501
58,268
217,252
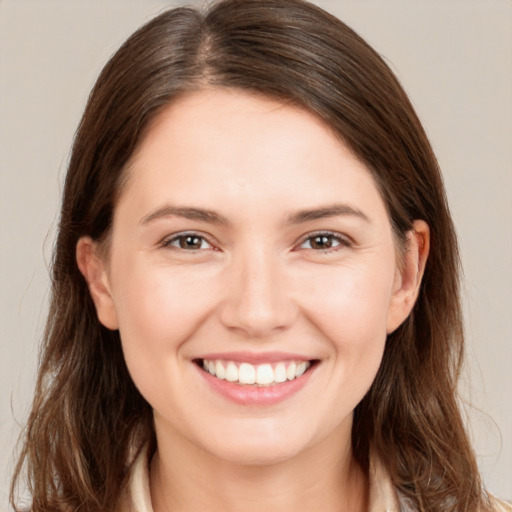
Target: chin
x,y
256,454
259,447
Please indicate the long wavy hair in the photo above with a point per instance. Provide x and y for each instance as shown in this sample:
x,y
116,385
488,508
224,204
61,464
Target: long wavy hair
x,y
87,416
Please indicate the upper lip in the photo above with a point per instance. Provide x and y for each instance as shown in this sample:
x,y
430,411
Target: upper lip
x,y
255,357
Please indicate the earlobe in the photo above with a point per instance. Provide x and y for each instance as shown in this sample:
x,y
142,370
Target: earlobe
x,y
409,277
92,267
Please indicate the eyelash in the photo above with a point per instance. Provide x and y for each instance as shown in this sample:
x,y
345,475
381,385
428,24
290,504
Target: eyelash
x,y
342,242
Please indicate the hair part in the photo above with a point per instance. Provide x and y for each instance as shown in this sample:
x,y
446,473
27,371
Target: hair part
x,y
88,417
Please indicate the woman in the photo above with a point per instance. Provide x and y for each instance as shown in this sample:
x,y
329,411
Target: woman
x,y
255,287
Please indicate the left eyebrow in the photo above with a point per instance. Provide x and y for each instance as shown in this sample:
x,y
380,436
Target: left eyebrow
x,y
332,210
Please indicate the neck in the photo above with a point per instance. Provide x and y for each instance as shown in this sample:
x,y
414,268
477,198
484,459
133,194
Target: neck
x,y
185,478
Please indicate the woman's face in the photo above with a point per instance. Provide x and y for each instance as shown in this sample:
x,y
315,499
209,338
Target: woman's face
x,y
249,241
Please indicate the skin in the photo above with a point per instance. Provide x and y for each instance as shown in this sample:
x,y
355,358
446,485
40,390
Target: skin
x,y
256,283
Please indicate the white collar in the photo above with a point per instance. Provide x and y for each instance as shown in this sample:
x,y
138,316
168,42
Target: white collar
x,y
137,496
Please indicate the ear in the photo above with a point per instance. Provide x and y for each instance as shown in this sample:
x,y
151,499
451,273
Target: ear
x,y
409,276
93,268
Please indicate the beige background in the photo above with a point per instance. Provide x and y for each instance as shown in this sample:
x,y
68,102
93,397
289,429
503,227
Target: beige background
x,y
454,58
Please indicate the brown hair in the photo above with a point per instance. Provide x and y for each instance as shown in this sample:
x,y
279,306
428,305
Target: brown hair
x,y
87,414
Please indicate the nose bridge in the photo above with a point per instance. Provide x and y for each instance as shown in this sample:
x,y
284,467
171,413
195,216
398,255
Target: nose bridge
x,y
257,300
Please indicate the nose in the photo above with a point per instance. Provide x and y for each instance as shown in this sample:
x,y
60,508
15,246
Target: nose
x,y
258,299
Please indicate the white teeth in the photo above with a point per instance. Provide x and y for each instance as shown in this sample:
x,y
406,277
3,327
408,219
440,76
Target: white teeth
x,y
264,374
280,373
220,372
290,371
246,374
301,368
231,372
261,375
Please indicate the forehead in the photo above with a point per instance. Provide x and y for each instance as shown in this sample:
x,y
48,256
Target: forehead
x,y
241,115
225,147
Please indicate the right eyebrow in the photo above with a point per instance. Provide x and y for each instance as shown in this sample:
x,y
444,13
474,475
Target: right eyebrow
x,y
185,212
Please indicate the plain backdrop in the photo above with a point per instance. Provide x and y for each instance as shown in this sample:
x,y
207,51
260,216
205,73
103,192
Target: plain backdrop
x,y
454,58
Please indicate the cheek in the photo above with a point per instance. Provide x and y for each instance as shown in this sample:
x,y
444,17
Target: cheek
x,y
351,314
158,307
350,304
348,308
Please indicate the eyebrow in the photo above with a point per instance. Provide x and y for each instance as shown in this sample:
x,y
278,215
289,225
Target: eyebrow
x,y
332,210
190,213
212,217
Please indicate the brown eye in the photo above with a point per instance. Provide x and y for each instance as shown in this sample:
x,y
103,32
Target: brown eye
x,y
323,241
189,242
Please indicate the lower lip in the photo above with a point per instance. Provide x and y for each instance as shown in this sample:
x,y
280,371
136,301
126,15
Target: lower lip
x,y
257,395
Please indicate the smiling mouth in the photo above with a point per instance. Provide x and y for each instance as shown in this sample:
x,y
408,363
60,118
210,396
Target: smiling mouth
x,y
247,374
